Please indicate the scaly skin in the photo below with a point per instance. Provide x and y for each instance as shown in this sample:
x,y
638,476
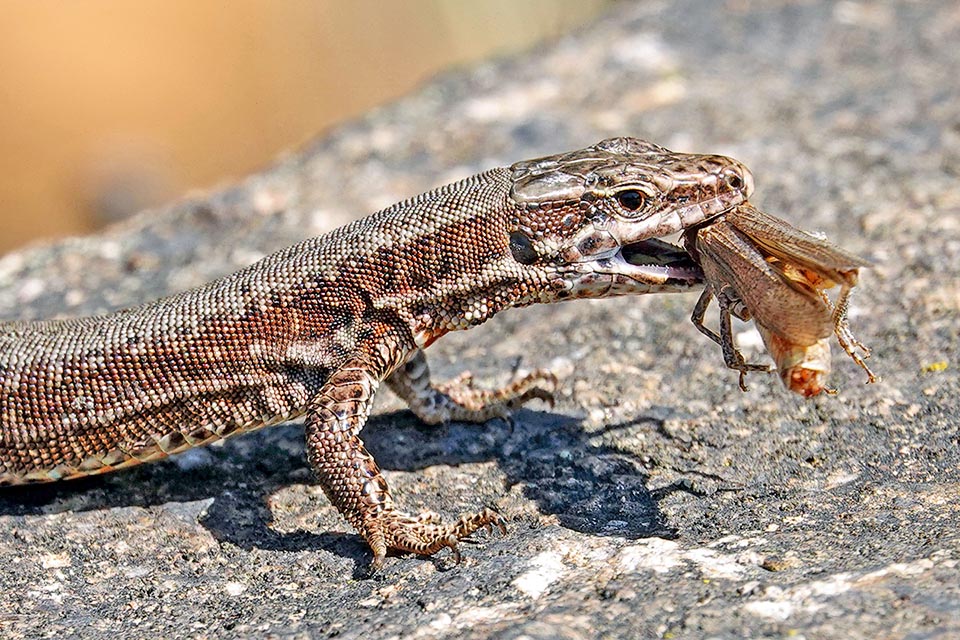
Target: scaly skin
x,y
315,328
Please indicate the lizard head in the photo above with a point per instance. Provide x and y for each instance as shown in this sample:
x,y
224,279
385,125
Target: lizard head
x,y
592,218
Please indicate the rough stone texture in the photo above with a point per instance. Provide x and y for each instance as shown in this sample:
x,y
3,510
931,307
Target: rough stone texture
x,y
655,499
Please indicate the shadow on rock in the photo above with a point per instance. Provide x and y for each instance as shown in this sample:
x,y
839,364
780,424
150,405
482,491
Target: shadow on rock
x,y
599,490
596,490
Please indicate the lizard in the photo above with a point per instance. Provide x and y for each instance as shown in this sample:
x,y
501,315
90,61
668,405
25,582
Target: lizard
x,y
314,329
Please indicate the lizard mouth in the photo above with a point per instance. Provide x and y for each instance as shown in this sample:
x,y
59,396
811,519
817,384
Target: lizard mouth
x,y
662,261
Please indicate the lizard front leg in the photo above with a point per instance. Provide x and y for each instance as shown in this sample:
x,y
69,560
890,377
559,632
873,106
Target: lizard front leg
x,y
352,480
458,400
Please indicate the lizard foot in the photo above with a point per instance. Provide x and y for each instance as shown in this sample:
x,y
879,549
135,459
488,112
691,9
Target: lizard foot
x,y
497,403
424,534
459,400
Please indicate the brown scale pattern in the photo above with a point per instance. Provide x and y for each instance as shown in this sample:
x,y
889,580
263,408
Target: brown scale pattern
x,y
316,327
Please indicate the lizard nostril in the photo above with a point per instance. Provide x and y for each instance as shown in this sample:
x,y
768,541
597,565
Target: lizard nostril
x,y
739,179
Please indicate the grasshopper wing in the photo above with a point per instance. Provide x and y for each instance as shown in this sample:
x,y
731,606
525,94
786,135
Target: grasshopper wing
x,y
784,241
776,302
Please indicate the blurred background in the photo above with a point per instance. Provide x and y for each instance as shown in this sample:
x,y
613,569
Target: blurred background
x,y
110,106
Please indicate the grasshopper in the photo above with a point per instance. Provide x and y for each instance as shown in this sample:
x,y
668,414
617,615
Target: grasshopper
x,y
760,267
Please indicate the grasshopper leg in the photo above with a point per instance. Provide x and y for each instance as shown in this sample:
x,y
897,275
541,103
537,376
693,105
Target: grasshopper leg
x,y
731,355
845,337
700,311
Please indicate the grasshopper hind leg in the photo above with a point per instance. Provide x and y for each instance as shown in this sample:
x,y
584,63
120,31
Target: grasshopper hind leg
x,y
845,337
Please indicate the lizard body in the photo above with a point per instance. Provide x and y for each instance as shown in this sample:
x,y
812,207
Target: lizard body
x,y
315,328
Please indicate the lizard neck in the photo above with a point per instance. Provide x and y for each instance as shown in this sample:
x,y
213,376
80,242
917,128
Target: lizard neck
x,y
455,270
438,262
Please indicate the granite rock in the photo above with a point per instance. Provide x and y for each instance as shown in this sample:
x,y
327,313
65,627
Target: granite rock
x,y
655,499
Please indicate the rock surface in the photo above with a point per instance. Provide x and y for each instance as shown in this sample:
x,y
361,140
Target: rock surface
x,y
655,499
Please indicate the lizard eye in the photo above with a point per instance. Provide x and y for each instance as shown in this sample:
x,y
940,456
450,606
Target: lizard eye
x,y
631,199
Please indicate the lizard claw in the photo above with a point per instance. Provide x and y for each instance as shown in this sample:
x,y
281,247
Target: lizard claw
x,y
425,534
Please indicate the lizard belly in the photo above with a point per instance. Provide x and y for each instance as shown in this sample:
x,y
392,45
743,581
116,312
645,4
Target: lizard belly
x,y
79,446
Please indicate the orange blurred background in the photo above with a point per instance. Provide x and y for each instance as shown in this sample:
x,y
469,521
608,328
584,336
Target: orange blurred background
x,y
110,106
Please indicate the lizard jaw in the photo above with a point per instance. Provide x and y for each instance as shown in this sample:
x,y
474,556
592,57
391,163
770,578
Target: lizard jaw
x,y
656,253
647,266
659,261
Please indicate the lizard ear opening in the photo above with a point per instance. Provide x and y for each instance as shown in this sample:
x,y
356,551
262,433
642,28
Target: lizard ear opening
x,y
522,248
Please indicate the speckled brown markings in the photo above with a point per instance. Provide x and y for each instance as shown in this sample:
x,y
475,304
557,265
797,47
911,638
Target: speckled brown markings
x,y
316,327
